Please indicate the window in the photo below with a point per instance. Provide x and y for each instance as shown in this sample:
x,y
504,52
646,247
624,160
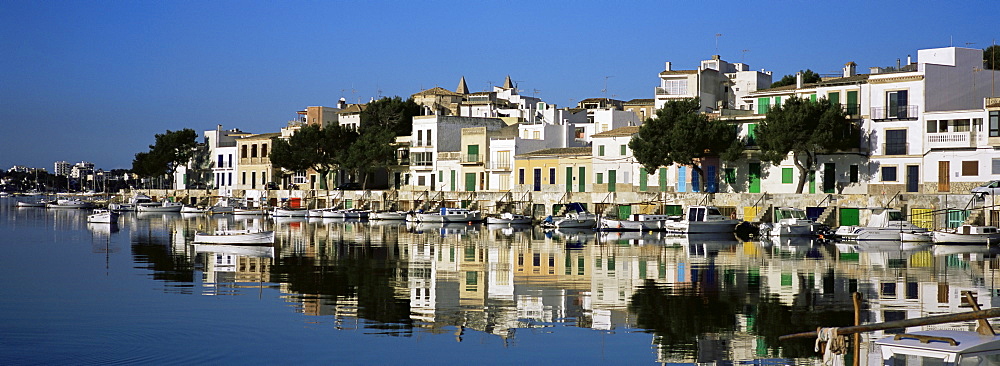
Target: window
x,y
220,165
730,175
970,168
888,174
263,150
896,103
854,173
995,167
895,142
763,105
253,151
244,177
834,97
421,180
578,132
243,152
600,150
994,123
428,138
599,179
932,126
786,175
537,135
420,137
440,176
520,176
552,175
751,134
959,125
623,150
675,87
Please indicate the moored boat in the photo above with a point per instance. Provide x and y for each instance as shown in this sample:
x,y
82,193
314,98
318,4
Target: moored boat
x,y
702,219
159,207
446,214
885,224
967,234
103,216
40,203
192,209
289,212
789,221
389,215
576,216
508,218
235,237
70,203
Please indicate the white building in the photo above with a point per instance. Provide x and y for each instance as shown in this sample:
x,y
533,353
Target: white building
x,y
223,156
435,141
61,168
719,84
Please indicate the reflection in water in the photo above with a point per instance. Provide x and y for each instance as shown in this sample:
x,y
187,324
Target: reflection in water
x,y
700,299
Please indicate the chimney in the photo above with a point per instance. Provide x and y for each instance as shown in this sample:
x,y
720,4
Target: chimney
x,y
909,60
798,80
897,64
667,66
850,69
342,103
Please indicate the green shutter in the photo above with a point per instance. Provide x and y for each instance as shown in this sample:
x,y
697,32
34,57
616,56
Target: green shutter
x,y
583,179
663,179
834,97
470,182
777,101
569,179
752,134
599,179
623,150
763,105
473,153
812,98
612,181
452,180
812,182
730,175
643,180
600,150
786,175
852,103
754,177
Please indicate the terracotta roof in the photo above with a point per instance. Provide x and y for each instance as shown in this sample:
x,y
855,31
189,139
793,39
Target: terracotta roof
x,y
640,102
618,132
679,72
437,91
353,108
560,151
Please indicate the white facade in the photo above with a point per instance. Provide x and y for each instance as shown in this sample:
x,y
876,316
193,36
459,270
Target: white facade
x,y
223,158
430,138
61,168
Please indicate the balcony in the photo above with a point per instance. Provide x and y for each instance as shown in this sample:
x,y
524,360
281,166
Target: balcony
x,y
472,159
664,91
949,139
895,113
895,148
499,166
852,110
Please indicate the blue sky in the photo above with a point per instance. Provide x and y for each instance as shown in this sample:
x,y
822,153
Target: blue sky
x,y
95,80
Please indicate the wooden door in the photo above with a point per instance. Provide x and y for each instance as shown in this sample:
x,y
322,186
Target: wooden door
x,y
944,184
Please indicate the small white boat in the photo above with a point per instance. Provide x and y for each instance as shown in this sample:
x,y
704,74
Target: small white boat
x,y
389,215
938,347
789,221
159,207
103,216
235,237
40,203
886,224
253,251
702,219
192,209
575,216
508,218
131,204
249,211
967,234
316,212
221,210
447,214
289,212
69,203
635,222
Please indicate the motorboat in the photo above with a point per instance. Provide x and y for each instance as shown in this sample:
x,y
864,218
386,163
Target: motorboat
x,y
355,213
159,207
447,214
248,211
508,218
39,203
103,216
635,222
195,210
938,347
885,224
235,237
576,216
316,212
131,204
701,219
967,234
289,212
69,203
389,215
789,221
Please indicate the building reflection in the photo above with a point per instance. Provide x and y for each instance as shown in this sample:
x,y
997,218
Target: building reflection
x,y
700,298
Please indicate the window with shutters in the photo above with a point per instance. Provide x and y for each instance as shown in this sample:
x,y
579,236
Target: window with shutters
x,y
970,168
995,166
888,174
786,175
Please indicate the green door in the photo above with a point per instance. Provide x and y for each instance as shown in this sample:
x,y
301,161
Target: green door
x,y
850,216
452,180
470,182
624,211
663,179
829,178
812,182
754,177
611,180
569,179
473,153
583,179
643,180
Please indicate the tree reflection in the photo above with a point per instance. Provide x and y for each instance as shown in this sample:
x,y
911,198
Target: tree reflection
x,y
679,316
774,319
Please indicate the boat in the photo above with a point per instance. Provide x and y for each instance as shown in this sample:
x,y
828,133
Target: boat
x,y
253,251
235,237
389,215
289,212
131,204
192,209
222,210
39,203
575,216
701,219
885,224
355,213
248,211
316,212
789,221
159,207
69,203
447,214
635,222
103,216
967,234
939,347
508,218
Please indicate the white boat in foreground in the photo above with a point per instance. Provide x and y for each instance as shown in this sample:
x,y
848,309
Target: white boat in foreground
x,y
508,218
289,212
635,222
40,203
102,216
248,211
159,207
938,347
885,224
576,216
702,220
389,215
967,234
235,237
192,209
789,221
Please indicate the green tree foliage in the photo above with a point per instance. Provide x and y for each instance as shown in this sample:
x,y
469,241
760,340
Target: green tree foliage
x,y
808,76
373,149
679,134
323,149
392,113
805,129
171,150
991,56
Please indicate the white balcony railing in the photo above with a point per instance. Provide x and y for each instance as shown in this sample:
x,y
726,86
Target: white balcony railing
x,y
949,139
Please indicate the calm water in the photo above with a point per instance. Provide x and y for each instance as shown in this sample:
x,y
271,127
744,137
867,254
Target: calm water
x,y
359,293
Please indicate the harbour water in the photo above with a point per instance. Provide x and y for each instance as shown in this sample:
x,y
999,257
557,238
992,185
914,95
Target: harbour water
x,y
331,291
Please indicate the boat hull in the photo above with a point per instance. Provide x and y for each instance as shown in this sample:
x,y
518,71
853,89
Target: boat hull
x,y
941,237
284,212
619,225
235,237
435,217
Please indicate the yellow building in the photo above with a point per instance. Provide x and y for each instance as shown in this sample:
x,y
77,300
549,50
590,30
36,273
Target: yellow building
x,y
562,169
254,170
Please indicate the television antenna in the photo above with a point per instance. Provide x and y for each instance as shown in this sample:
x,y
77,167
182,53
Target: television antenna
x,y
605,90
717,35
743,55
